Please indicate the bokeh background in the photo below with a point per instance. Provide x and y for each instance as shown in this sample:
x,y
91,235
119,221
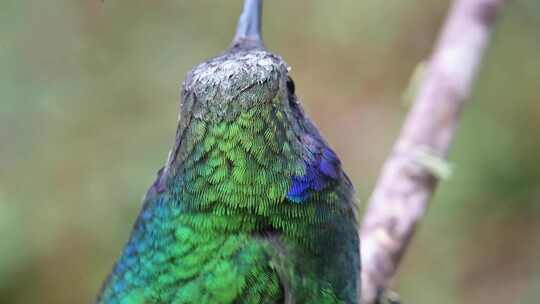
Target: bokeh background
x,y
89,94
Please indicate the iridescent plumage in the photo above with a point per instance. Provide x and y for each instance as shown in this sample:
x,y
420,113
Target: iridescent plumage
x,y
252,206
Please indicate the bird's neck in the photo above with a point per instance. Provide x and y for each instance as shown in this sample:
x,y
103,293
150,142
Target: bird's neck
x,y
241,166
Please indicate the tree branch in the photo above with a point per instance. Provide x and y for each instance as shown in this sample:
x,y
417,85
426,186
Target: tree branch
x,y
407,182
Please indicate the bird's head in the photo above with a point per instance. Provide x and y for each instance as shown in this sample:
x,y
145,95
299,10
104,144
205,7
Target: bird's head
x,y
235,82
248,86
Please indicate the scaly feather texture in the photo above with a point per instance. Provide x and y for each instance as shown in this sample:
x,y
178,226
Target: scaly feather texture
x,y
252,206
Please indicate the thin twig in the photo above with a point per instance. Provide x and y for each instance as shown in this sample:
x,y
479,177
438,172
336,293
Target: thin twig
x,y
407,182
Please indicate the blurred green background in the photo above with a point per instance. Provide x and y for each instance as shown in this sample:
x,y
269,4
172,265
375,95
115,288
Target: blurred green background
x,y
89,98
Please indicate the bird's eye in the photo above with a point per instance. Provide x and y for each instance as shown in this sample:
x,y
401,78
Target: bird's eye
x,y
290,85
293,103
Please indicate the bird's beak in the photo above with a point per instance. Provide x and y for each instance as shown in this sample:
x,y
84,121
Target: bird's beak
x,y
248,30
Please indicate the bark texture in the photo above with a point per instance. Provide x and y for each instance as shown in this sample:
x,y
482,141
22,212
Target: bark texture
x,y
407,181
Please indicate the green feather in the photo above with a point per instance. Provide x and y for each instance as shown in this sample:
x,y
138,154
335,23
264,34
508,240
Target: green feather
x,y
217,226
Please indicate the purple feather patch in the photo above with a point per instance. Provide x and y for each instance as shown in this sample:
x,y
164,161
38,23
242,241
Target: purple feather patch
x,y
321,170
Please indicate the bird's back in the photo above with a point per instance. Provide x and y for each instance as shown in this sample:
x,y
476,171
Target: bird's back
x,y
252,207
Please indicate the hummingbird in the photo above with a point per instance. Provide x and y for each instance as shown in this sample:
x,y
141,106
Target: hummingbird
x,y
252,204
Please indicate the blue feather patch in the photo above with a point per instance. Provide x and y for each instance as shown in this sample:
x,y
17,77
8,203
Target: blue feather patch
x,y
321,169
